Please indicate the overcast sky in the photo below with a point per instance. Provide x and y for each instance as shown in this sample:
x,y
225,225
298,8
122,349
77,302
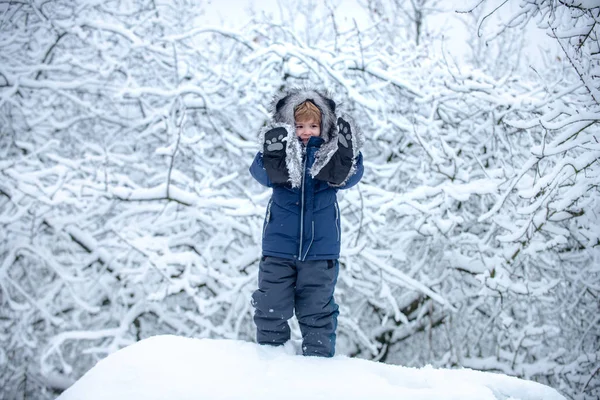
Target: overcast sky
x,y
235,14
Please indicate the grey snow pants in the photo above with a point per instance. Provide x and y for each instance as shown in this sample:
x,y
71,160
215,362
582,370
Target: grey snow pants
x,y
306,287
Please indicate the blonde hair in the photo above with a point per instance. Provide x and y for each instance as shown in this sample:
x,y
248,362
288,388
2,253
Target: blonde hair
x,y
307,111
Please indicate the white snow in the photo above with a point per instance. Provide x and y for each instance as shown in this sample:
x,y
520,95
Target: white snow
x,y
178,368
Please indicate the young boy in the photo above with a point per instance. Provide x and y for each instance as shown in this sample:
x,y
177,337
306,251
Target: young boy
x,y
307,157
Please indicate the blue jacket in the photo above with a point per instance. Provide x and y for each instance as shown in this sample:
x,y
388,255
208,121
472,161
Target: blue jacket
x,y
303,223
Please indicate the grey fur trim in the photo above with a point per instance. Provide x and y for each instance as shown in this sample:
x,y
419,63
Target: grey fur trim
x,y
293,151
293,158
358,141
324,154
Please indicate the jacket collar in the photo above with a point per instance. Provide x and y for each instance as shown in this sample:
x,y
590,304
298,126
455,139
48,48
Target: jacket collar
x,y
315,141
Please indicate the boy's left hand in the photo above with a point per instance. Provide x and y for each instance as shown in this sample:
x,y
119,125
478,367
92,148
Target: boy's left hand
x,y
345,138
338,168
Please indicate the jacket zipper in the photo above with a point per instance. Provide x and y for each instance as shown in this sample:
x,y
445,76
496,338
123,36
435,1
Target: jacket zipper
x,y
311,241
337,220
302,209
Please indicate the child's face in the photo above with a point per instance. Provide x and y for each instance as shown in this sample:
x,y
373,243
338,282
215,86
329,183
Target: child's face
x,y
306,129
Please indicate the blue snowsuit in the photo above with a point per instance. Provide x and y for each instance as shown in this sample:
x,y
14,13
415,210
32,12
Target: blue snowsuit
x,y
300,250
303,223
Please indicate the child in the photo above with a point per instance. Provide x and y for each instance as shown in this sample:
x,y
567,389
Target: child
x,y
305,166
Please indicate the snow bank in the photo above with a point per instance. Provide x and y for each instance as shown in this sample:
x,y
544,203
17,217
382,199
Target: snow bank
x,y
177,368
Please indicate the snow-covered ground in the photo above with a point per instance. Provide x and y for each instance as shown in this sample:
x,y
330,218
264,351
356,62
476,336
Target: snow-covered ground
x,y
177,368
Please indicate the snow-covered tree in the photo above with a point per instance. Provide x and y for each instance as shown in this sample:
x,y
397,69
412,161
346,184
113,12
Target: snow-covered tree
x,y
126,131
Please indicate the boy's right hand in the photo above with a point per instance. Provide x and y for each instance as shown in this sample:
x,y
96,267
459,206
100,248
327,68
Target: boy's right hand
x,y
274,155
274,144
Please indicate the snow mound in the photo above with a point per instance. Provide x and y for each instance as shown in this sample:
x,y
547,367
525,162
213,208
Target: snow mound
x,y
177,368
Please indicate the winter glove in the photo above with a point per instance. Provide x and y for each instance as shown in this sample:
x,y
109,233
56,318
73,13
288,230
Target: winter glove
x,y
337,170
274,143
345,139
274,155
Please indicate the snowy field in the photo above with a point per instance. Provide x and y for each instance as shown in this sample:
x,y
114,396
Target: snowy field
x,y
177,368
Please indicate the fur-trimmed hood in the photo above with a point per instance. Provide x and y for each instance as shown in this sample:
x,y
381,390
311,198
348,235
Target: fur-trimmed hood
x,y
284,106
